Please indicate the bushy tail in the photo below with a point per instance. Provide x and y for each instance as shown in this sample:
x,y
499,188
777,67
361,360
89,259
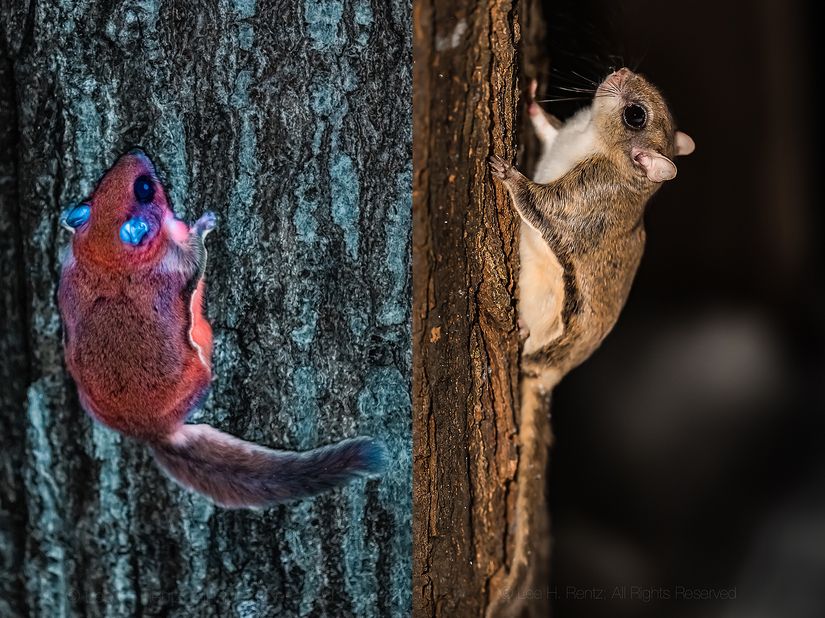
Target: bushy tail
x,y
239,474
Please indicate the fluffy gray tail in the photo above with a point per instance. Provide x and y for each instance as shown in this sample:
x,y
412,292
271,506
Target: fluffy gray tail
x,y
239,474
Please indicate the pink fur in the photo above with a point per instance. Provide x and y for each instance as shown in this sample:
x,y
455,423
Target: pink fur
x,y
139,349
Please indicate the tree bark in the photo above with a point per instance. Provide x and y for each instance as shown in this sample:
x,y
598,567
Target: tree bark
x,y
291,121
466,101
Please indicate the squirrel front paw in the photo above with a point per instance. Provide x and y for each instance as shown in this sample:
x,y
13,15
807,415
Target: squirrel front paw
x,y
206,223
533,108
498,167
546,125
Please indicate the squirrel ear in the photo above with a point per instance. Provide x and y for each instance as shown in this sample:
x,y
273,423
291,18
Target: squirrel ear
x,y
657,166
684,144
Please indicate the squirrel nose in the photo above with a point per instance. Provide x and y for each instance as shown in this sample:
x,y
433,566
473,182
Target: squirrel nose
x,y
133,231
619,77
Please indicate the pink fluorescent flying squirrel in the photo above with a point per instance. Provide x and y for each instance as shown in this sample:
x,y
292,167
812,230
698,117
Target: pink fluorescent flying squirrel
x,y
140,348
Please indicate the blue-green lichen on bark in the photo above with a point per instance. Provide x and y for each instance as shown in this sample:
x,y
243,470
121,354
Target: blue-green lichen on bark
x,y
345,199
113,520
323,19
384,400
306,225
49,584
304,406
396,230
307,318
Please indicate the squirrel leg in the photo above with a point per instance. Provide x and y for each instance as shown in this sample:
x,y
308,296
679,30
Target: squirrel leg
x,y
522,190
205,224
545,125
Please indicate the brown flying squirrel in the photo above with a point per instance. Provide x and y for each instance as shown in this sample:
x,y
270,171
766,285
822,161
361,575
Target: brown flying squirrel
x,y
582,237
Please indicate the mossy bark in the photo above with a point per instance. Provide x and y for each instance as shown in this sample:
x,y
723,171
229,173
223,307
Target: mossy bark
x,y
292,122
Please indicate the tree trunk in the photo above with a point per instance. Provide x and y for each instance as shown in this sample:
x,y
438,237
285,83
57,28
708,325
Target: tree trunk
x,y
465,345
292,122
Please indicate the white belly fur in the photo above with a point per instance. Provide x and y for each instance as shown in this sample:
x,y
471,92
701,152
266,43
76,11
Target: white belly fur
x,y
541,290
541,281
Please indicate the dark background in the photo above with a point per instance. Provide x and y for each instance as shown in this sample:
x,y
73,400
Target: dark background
x,y
688,447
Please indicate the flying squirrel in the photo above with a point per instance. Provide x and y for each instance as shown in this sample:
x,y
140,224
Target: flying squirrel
x,y
139,347
581,241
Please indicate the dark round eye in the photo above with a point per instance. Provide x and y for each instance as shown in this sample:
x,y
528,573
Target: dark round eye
x,y
634,116
144,189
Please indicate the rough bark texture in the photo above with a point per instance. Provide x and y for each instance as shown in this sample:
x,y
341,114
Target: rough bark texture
x,y
466,104
291,121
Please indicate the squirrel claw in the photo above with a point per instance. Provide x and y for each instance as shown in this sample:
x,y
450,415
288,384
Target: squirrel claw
x,y
206,223
498,167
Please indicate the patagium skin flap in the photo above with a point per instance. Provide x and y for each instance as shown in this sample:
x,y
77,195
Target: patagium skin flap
x,y
139,346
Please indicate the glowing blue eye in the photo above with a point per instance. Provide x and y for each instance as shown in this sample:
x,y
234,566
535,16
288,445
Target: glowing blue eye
x,y
133,231
75,217
144,189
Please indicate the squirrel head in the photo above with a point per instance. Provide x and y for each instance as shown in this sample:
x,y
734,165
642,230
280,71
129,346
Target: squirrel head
x,y
121,226
633,118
